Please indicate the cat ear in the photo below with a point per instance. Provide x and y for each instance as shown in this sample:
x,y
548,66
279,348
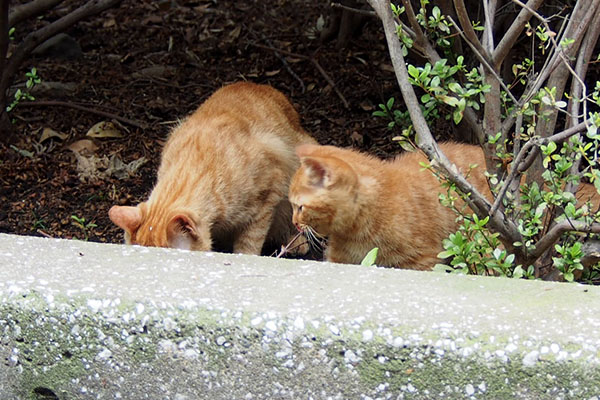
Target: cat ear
x,y
317,171
127,218
181,232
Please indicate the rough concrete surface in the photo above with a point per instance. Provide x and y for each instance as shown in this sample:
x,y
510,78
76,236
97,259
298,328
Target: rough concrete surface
x,y
91,321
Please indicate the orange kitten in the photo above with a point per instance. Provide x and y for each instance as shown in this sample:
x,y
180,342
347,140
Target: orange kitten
x,y
360,202
224,176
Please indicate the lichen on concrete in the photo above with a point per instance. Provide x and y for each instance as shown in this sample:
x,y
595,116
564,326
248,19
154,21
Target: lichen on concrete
x,y
88,321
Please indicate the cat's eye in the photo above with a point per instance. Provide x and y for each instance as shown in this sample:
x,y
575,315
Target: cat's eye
x,y
300,208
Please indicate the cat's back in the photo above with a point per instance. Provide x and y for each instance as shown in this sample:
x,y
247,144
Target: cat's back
x,y
240,125
246,108
468,158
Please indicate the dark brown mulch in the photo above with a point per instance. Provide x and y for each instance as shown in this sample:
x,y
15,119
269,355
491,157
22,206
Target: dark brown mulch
x,y
154,62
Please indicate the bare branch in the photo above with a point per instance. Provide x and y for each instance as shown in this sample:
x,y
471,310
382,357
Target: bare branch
x,y
578,89
481,57
469,32
478,203
511,36
354,10
3,33
76,106
522,159
489,7
37,37
29,10
556,232
421,40
315,63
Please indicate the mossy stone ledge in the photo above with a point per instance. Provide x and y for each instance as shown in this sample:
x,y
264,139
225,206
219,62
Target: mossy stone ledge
x,y
83,320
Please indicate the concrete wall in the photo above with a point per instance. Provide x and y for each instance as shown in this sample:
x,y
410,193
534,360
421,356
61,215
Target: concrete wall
x,y
90,321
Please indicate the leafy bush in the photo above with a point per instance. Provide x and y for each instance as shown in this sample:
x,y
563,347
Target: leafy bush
x,y
535,225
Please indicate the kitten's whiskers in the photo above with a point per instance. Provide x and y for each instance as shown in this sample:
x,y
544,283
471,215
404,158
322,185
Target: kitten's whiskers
x,y
315,239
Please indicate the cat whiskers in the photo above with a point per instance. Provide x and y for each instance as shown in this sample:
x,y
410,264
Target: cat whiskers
x,y
315,239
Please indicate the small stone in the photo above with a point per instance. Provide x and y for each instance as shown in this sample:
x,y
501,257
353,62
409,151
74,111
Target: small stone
x,y
334,329
531,358
510,347
104,354
221,340
469,389
367,335
139,308
299,323
351,357
483,387
271,325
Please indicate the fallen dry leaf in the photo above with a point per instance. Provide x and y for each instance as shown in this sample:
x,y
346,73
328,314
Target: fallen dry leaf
x,y
48,133
272,73
83,146
117,168
366,105
104,129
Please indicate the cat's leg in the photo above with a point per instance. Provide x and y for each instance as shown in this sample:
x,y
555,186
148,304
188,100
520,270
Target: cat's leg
x,y
425,263
252,237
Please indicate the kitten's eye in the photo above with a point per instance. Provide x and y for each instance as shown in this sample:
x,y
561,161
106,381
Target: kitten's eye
x,y
300,208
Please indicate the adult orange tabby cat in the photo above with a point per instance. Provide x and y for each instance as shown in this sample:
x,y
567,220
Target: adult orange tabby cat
x,y
360,202
224,176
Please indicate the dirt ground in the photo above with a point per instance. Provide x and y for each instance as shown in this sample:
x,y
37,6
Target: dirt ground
x,y
146,64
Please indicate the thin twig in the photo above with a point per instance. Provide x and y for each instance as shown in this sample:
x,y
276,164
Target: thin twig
x,y
58,103
315,63
521,157
285,249
421,39
557,230
41,232
483,60
465,23
512,34
354,10
287,66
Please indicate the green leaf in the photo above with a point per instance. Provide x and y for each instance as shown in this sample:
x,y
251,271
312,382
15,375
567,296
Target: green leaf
x,y
390,103
413,71
370,258
518,272
446,254
450,100
457,116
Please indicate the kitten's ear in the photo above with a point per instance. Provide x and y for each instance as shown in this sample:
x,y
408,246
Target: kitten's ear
x,y
317,171
181,232
127,218
305,150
